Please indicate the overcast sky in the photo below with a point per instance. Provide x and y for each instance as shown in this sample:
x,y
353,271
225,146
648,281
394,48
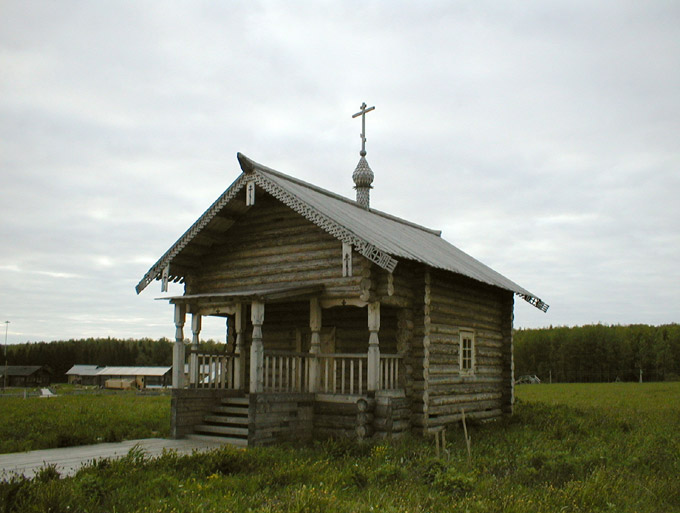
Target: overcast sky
x,y
541,137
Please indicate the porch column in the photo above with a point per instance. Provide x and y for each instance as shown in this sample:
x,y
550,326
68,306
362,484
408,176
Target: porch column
x,y
193,358
315,343
240,355
373,372
178,348
256,348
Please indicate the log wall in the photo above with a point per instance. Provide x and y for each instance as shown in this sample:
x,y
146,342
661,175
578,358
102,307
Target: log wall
x,y
273,245
337,416
392,415
418,356
453,303
280,418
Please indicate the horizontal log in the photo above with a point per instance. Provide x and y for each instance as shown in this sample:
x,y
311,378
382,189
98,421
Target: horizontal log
x,y
474,405
465,321
448,283
310,265
271,251
322,433
298,278
443,420
487,305
469,323
383,423
494,336
343,409
464,389
339,421
454,378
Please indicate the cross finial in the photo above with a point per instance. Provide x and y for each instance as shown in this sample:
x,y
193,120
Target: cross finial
x,y
362,113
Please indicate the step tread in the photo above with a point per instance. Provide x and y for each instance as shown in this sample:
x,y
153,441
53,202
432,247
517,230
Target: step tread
x,y
236,400
224,430
235,410
239,442
224,419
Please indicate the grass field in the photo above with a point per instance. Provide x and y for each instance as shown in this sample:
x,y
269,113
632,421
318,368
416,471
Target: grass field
x,y
71,419
569,448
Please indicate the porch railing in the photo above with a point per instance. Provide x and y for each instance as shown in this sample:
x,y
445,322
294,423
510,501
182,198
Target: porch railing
x,y
342,373
215,371
389,371
285,371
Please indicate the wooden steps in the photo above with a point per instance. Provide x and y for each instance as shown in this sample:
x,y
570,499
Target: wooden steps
x,y
227,422
238,442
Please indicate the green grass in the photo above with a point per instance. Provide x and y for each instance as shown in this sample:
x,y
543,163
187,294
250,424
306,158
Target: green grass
x,y
569,448
69,420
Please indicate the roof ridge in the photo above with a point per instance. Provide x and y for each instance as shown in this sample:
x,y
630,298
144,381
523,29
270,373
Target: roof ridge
x,y
248,165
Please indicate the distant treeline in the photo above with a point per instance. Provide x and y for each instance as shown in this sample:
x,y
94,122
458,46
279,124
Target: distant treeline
x,y
599,353
585,353
60,356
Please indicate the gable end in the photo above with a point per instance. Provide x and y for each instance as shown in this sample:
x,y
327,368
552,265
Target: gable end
x,y
338,231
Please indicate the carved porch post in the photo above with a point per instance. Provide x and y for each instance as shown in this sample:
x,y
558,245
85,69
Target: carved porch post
x,y
373,372
240,364
314,343
257,348
178,348
193,358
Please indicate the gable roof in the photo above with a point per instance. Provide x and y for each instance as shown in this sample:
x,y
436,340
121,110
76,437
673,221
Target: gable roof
x,y
133,371
23,370
378,236
83,370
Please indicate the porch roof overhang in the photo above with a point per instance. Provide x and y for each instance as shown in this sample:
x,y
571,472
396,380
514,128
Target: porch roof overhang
x,y
266,295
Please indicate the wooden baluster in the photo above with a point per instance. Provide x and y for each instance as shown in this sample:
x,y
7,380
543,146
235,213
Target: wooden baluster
x,y
325,377
193,360
361,375
351,376
281,373
342,376
334,376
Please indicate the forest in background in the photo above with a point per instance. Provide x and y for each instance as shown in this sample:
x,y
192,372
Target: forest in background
x,y
599,353
61,355
593,353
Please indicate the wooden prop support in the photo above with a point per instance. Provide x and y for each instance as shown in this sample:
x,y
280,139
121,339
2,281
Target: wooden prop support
x,y
468,441
440,442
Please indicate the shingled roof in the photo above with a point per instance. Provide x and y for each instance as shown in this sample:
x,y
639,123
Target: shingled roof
x,y
380,237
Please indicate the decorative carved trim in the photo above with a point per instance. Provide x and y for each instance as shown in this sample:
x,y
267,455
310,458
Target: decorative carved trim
x,y
338,231
535,302
181,243
363,247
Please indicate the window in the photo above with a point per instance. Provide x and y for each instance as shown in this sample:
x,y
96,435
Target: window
x,y
467,352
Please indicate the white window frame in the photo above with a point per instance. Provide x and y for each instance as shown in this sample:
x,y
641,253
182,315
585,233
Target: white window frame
x,y
467,334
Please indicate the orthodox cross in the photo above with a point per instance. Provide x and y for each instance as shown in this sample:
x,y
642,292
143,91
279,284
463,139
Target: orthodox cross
x,y
362,113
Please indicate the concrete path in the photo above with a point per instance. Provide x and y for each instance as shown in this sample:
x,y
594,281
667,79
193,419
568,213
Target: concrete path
x,y
69,459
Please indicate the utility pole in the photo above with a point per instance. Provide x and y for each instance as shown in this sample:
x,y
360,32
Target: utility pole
x,y
5,377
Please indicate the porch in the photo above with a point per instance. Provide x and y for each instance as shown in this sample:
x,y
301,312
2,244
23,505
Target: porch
x,y
282,379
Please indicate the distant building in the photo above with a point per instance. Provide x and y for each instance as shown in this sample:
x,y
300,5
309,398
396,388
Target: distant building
x,y
26,375
84,374
142,376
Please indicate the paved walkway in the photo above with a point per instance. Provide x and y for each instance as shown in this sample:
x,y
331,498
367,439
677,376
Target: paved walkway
x,y
69,459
